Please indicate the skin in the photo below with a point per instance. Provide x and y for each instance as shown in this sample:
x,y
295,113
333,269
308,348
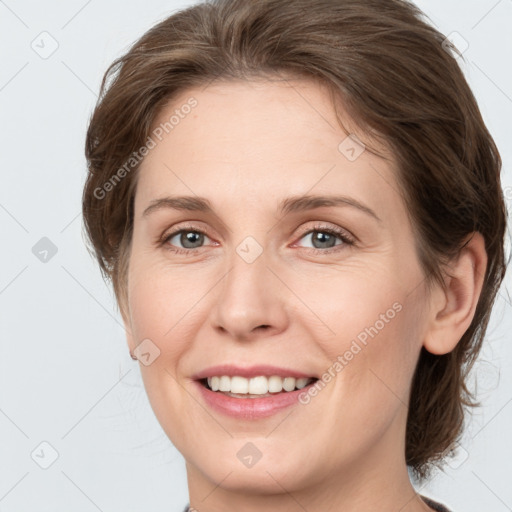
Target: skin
x,y
245,147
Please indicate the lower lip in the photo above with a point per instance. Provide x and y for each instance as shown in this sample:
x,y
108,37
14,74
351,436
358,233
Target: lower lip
x,y
250,408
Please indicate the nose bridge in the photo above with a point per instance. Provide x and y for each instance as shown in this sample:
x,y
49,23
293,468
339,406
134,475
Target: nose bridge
x,y
250,296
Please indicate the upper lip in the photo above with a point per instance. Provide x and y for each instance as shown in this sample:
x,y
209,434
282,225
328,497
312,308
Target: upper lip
x,y
250,371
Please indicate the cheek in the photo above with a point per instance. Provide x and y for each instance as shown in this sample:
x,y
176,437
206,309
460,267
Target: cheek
x,y
162,301
161,310
371,337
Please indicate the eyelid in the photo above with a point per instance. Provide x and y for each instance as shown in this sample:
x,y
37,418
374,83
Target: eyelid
x,y
345,236
187,226
321,226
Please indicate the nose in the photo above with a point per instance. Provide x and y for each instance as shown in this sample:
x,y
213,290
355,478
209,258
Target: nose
x,y
251,302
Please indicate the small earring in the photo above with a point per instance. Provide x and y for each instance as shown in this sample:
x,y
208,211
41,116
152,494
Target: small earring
x,y
132,356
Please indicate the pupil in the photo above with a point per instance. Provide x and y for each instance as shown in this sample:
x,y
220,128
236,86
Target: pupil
x,y
191,237
325,240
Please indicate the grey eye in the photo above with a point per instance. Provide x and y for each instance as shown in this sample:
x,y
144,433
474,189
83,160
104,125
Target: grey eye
x,y
188,239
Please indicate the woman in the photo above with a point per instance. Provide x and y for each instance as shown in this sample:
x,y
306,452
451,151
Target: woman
x,y
299,206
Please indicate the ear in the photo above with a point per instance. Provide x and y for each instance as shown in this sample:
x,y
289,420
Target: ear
x,y
453,309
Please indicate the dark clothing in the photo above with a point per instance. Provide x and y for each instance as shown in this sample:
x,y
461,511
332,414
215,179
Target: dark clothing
x,y
436,506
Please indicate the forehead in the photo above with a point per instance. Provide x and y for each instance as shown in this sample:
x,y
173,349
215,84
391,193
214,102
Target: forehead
x,y
260,139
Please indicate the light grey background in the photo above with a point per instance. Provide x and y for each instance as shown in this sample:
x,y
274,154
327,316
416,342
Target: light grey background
x,y
65,375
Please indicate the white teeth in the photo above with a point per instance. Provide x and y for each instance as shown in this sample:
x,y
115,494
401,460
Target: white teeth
x,y
300,383
289,383
225,383
213,382
260,385
275,384
239,385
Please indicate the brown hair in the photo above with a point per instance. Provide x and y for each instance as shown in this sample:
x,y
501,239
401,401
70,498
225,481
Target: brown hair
x,y
398,79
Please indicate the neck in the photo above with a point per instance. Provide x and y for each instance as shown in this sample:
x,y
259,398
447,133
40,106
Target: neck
x,y
369,480
386,489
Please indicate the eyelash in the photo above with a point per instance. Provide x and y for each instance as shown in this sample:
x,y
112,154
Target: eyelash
x,y
337,232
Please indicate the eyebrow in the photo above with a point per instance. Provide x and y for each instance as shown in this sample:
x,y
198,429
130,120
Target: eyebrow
x,y
288,205
302,203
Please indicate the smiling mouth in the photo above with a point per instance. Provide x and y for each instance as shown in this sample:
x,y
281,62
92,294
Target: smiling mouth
x,y
255,387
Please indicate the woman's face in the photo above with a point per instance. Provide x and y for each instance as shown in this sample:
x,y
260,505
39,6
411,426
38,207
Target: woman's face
x,y
291,256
